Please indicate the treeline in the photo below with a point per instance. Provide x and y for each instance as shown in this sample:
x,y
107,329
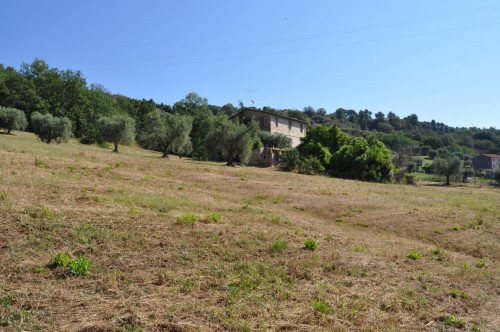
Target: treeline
x,y
36,87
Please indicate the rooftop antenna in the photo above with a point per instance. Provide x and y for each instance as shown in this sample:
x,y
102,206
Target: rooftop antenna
x,y
251,97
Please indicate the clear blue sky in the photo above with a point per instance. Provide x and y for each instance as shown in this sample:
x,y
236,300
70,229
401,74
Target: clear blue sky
x,y
437,59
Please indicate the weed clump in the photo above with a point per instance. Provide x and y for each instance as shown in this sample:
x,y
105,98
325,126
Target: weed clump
x,y
187,219
481,264
77,267
413,255
311,245
321,306
61,259
279,246
214,217
340,220
452,320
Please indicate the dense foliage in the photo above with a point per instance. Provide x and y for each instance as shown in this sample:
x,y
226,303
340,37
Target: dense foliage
x,y
275,140
168,133
231,140
327,149
48,127
117,129
12,119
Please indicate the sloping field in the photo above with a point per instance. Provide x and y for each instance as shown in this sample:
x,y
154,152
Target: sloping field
x,y
181,245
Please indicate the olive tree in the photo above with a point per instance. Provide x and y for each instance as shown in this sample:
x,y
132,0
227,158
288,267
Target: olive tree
x,y
447,167
12,119
168,133
275,140
48,127
230,139
117,129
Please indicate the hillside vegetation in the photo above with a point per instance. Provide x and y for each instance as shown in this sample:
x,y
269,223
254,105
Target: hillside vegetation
x,y
182,245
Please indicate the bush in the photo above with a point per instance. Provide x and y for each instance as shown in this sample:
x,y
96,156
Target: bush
x,y
311,245
12,119
311,165
290,161
48,127
410,179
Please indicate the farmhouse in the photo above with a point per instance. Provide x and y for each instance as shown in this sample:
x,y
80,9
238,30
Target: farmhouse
x,y
489,163
275,123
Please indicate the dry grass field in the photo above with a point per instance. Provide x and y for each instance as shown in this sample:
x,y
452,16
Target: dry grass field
x,y
181,245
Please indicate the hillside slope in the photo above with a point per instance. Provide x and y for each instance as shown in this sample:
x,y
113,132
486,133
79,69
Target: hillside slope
x,y
154,267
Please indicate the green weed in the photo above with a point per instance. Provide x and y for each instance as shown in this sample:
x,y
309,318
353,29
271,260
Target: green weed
x,y
452,320
340,220
359,249
311,245
279,246
480,264
187,219
413,255
321,306
79,266
214,217
61,259
438,231
3,196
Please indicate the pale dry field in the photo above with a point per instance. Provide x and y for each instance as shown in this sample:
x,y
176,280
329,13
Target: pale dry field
x,y
151,272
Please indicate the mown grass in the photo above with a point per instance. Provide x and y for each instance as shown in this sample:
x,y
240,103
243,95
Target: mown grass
x,y
227,252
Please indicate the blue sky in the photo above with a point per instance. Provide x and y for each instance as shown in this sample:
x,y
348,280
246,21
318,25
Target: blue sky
x,y
437,59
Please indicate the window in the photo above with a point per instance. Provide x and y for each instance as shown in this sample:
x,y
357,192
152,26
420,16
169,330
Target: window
x,y
276,121
289,125
301,128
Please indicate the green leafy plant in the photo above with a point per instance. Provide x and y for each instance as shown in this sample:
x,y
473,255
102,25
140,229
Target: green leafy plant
x,y
321,306
311,245
340,220
359,249
61,259
438,231
213,217
279,246
413,255
454,293
452,320
79,266
187,219
481,264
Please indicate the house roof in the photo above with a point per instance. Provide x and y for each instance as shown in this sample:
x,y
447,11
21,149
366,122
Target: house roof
x,y
266,112
492,155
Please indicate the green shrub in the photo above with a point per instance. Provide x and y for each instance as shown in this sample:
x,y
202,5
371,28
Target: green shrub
x,y
213,217
410,179
80,266
454,293
481,264
438,231
311,245
340,220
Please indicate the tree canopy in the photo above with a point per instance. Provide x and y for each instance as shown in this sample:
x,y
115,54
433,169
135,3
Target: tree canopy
x,y
48,127
117,129
231,140
12,119
447,167
168,133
